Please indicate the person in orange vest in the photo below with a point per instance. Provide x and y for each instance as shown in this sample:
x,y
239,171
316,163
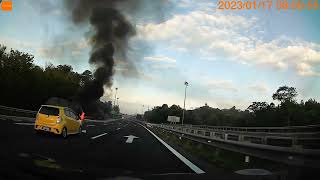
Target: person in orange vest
x,y
82,116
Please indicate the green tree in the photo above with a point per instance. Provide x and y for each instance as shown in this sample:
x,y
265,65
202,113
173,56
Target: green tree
x,y
26,85
285,93
86,76
257,106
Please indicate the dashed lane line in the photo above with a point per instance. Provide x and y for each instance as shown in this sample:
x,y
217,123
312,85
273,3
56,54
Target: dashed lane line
x,y
25,124
100,135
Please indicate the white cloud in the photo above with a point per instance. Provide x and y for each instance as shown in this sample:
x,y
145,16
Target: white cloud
x,y
132,73
259,88
57,12
161,62
17,44
233,37
197,25
163,66
160,59
226,85
305,69
196,4
58,50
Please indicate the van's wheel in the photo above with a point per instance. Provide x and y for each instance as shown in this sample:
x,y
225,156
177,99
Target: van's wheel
x,y
64,132
80,130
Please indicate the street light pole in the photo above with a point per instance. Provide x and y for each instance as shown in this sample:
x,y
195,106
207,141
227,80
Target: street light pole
x,y
115,97
117,101
184,102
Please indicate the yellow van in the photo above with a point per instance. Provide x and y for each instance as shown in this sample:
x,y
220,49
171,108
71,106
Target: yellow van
x,y
57,120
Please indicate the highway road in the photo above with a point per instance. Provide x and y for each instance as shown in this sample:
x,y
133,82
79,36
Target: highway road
x,y
122,148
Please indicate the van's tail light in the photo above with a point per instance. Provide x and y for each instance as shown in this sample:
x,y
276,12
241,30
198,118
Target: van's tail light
x,y
59,120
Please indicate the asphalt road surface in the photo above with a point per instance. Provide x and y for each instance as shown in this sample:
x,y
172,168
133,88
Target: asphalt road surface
x,y
102,151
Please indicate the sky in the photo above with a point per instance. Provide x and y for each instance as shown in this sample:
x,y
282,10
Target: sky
x,y
229,58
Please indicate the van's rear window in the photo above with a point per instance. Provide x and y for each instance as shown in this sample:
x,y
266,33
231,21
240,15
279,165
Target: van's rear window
x,y
49,111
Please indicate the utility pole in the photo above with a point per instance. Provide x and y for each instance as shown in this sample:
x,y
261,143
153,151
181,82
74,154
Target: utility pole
x,y
184,102
115,97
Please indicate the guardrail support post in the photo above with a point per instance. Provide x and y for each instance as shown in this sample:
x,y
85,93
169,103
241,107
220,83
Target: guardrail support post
x,y
241,137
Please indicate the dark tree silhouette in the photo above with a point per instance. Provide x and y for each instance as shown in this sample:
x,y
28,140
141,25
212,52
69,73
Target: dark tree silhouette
x,y
285,93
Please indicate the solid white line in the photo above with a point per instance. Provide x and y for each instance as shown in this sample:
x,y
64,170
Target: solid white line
x,y
99,136
165,174
91,125
195,168
26,124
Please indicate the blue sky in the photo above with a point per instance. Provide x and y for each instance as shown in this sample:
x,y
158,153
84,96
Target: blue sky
x,y
228,57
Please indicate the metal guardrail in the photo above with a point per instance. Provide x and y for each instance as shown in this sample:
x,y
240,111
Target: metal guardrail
x,y
285,129
10,112
299,139
32,119
17,112
16,118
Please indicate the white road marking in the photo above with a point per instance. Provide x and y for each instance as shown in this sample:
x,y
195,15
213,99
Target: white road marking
x,y
130,138
118,129
195,168
91,125
84,131
95,137
23,155
165,174
44,157
25,124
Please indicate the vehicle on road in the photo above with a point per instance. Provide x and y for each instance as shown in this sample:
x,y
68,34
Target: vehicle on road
x,y
57,120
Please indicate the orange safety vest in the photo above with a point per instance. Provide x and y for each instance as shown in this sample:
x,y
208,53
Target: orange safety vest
x,y
82,116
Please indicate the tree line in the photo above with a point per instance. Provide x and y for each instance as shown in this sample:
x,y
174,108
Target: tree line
x,y
288,112
26,85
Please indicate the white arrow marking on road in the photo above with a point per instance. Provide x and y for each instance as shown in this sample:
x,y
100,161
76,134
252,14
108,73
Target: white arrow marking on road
x,y
130,138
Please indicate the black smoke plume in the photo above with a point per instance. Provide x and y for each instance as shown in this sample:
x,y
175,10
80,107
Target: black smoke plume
x,y
111,32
